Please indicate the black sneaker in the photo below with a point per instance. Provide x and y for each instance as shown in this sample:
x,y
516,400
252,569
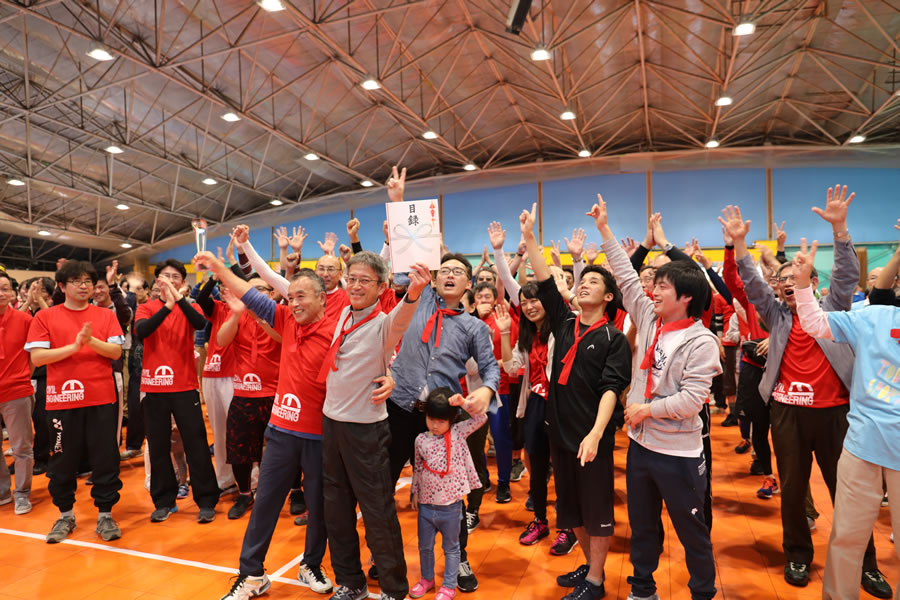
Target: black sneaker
x,y
586,591
206,515
503,495
373,572
573,578
730,421
488,487
756,468
466,581
529,504
161,514
472,521
875,585
298,502
345,593
518,469
41,467
796,574
564,542
240,506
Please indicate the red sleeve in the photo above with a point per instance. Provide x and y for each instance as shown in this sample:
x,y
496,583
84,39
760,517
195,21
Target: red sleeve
x,y
143,312
733,280
388,300
37,331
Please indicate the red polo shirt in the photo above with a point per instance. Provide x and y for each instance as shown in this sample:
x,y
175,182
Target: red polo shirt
x,y
255,359
168,364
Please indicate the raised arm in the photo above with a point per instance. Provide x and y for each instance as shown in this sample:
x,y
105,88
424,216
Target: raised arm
x,y
845,275
497,236
812,318
526,223
242,239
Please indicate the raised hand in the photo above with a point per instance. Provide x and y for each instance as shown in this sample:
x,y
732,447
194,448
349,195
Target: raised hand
x,y
496,235
419,277
396,184
345,252
112,273
649,242
353,229
803,263
659,235
501,317
733,224
630,246
233,302
485,257
554,254
836,204
328,245
384,228
292,259
576,244
205,261
598,213
697,252
526,220
240,234
726,239
522,248
591,253
780,235
456,400
281,237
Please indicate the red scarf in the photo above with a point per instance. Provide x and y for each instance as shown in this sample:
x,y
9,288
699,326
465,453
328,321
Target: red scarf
x,y
447,447
895,333
569,359
648,357
328,364
438,318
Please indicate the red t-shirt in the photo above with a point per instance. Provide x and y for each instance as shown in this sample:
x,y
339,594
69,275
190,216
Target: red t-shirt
x,y
537,367
505,378
15,370
85,378
806,377
335,302
219,360
256,357
721,307
300,396
168,364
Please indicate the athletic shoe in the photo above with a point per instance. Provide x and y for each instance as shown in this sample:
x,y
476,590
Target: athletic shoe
x,y
564,543
161,514
129,454
586,591
39,468
108,529
302,520
421,588
345,593
231,489
633,597
6,500
768,489
246,587
488,487
183,491
796,574
573,578
23,506
466,581
61,530
445,594
743,447
730,421
518,469
298,504
315,578
534,532
503,495
373,572
206,515
240,506
874,584
386,596
529,504
472,521
884,501
756,468
811,523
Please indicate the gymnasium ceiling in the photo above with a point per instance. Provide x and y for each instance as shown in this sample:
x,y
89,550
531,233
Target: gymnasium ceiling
x,y
642,78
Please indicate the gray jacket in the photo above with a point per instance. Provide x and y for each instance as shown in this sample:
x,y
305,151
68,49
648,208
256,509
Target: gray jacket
x,y
674,425
779,319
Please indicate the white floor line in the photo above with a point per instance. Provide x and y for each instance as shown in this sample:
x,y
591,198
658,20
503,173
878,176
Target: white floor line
x,y
288,566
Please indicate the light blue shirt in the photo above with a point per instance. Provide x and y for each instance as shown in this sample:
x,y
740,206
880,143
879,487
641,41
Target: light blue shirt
x,y
874,417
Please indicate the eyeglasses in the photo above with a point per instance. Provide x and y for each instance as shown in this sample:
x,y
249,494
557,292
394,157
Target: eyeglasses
x,y
263,288
363,281
327,269
81,282
456,271
784,278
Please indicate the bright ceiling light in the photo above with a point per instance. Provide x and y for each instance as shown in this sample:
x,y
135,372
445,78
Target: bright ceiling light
x,y
366,183
469,167
15,182
857,139
113,149
724,101
43,232
230,117
567,115
125,245
271,5
275,202
584,153
745,28
100,52
540,53
371,84
429,135
713,143
122,206
209,181
311,156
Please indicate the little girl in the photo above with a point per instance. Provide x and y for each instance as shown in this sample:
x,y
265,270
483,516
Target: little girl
x,y
443,475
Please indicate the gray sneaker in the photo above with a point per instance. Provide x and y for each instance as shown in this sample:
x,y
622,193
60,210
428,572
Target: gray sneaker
x,y
518,469
61,530
108,529
345,593
206,515
161,514
23,506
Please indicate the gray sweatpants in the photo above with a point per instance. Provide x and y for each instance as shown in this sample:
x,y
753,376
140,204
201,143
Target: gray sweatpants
x,y
17,417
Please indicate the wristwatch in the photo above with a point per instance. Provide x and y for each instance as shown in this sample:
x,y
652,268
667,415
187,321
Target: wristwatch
x,y
667,247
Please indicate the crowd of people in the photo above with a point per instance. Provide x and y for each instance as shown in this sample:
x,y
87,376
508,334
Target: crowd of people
x,y
322,385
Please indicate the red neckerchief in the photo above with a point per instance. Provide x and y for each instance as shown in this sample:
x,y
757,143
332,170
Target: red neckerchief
x,y
447,447
438,318
569,359
895,333
648,357
328,364
301,330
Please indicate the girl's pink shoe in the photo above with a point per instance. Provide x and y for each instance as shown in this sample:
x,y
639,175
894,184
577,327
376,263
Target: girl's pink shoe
x,y
445,594
423,587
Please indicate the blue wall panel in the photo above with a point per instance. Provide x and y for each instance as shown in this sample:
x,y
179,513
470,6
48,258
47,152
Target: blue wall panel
x,y
258,237
316,228
468,214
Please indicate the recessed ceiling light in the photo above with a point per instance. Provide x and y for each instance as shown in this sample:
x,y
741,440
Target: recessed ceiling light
x,y
429,135
857,139
724,101
122,206
713,143
745,28
230,117
371,84
271,5
567,115
209,181
366,183
584,153
540,53
15,182
275,202
43,232
100,52
311,156
469,167
125,245
113,149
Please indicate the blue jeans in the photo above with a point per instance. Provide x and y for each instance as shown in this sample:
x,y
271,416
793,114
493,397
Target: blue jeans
x,y
502,434
446,519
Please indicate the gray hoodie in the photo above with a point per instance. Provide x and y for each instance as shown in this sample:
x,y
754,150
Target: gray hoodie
x,y
674,426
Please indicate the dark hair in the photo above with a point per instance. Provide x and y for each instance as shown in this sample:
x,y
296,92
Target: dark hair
x,y
527,329
470,297
489,270
437,405
812,274
569,270
688,280
170,262
75,268
609,282
484,285
306,273
457,256
12,282
48,284
644,267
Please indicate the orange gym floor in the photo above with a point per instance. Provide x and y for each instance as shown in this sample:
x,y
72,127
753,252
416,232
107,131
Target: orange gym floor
x,y
179,559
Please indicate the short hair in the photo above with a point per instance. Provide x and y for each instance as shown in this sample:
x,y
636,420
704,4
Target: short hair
x,y
306,273
49,284
75,268
457,256
489,270
645,267
437,405
170,262
484,285
688,280
812,274
609,282
371,260
470,296
6,275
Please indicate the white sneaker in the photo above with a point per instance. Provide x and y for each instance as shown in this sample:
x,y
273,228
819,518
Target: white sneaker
x,y
315,578
23,506
246,587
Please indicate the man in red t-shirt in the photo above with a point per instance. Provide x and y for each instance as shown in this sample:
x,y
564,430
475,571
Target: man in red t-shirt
x,y
169,382
16,397
77,341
